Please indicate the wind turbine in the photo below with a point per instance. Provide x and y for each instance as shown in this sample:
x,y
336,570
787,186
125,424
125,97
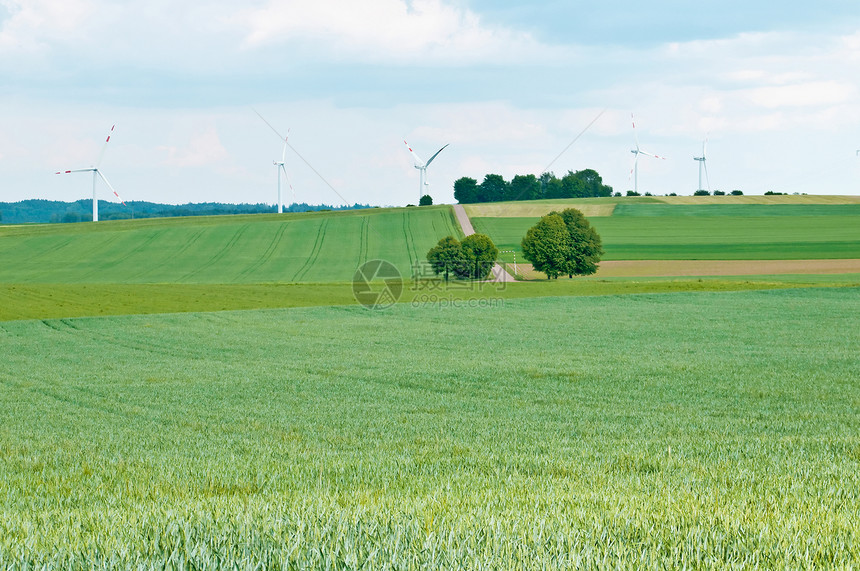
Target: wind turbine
x,y
703,163
96,174
634,172
422,169
280,165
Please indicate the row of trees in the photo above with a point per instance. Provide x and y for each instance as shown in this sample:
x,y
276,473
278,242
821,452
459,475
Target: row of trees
x,y
45,211
494,188
560,243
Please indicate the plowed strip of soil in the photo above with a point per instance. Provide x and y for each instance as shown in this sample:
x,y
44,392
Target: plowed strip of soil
x,y
658,268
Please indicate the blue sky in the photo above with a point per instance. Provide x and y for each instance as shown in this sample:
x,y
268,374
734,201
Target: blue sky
x,y
507,84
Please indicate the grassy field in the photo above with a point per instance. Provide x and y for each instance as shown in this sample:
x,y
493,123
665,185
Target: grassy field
x,y
671,430
308,247
606,206
54,301
643,232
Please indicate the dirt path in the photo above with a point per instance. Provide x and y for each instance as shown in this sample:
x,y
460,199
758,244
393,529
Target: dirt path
x,y
499,273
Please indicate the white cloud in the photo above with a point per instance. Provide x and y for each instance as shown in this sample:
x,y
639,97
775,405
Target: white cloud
x,y
424,31
203,149
33,24
802,94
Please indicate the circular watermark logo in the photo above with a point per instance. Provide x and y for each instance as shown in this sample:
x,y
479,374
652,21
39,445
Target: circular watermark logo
x,y
377,284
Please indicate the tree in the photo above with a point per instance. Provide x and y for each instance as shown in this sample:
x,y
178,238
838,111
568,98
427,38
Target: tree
x,y
701,192
479,256
446,256
737,193
546,245
493,189
466,190
585,247
525,187
426,200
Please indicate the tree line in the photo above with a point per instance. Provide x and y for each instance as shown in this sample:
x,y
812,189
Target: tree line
x,y
50,211
494,188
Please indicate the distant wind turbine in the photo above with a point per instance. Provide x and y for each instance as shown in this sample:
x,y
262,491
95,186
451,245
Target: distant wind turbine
x,y
422,169
304,160
280,165
703,163
96,175
634,172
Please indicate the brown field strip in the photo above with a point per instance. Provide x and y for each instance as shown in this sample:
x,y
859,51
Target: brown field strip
x,y
533,209
666,268
762,199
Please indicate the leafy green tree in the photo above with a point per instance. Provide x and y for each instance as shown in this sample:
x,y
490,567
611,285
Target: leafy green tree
x,y
573,186
737,193
493,189
585,247
446,257
426,200
546,245
701,192
479,256
524,187
466,190
552,186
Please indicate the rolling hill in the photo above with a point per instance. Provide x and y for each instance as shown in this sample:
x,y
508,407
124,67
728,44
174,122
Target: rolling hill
x,y
263,248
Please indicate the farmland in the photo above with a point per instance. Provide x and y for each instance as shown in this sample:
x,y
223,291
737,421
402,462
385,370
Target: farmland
x,y
654,231
594,422
308,247
697,429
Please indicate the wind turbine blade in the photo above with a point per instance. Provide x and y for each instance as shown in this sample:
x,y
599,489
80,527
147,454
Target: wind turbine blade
x,y
289,182
98,172
635,136
705,148
436,155
284,153
104,147
575,139
635,161
91,169
284,139
418,161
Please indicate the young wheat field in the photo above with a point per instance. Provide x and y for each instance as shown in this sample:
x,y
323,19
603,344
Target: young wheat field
x,y
711,429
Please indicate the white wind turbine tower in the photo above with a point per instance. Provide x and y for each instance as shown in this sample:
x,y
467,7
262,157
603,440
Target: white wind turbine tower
x,y
96,174
703,163
634,172
280,165
422,169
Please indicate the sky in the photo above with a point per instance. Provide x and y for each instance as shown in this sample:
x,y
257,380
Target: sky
x,y
508,85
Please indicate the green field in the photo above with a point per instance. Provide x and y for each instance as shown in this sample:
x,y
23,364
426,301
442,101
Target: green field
x,y
671,430
308,247
718,232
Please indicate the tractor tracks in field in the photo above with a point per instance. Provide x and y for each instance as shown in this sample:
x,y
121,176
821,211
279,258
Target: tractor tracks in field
x,y
363,241
219,255
411,250
315,252
172,257
267,255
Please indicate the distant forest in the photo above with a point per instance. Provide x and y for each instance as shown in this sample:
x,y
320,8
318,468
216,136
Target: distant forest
x,y
580,184
51,211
